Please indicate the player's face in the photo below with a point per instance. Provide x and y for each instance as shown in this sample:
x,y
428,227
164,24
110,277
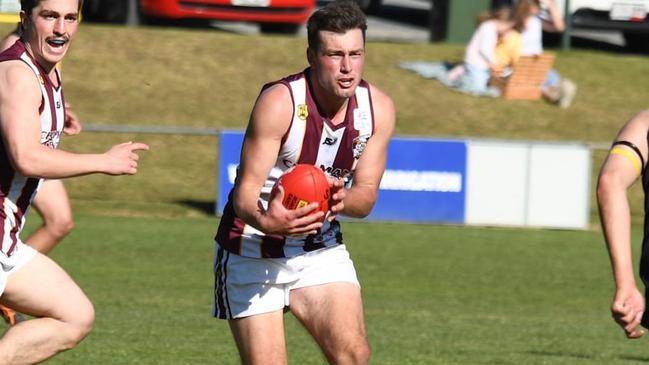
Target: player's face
x,y
339,61
50,28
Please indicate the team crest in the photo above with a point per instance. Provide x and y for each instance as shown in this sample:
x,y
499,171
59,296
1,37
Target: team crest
x,y
359,145
40,78
302,111
50,138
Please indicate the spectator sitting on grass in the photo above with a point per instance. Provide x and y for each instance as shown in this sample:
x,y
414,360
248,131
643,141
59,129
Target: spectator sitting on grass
x,y
494,46
555,89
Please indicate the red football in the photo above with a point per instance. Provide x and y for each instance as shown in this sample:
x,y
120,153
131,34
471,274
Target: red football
x,y
304,184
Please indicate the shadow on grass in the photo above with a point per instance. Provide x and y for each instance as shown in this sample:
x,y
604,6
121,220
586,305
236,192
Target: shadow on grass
x,y
561,354
634,358
207,207
585,356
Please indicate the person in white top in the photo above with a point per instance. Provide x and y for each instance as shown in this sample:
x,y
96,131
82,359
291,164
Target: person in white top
x,y
556,89
494,46
480,59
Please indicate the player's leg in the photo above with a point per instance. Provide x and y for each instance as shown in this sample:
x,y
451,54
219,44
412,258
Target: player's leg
x,y
260,338
248,295
64,314
53,205
333,315
327,301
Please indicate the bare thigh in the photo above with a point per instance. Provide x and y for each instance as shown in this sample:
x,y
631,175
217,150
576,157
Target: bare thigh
x,y
52,201
260,338
333,314
42,288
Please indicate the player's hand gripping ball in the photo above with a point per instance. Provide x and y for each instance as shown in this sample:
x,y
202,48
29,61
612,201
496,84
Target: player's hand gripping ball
x,y
304,184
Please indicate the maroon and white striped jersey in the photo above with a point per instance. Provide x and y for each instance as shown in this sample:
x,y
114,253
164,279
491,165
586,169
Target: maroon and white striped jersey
x,y
310,139
16,190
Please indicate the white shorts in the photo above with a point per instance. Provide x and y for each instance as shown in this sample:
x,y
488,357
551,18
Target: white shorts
x,y
8,265
245,286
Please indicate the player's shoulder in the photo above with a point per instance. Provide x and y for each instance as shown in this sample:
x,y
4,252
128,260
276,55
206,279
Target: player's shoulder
x,y
636,129
640,121
17,76
642,116
273,108
275,93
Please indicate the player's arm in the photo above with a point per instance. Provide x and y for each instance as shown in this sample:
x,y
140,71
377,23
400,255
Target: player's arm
x,y
269,121
20,98
621,169
360,198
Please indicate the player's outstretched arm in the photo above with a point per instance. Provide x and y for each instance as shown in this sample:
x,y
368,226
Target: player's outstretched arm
x,y
360,198
268,123
620,170
20,98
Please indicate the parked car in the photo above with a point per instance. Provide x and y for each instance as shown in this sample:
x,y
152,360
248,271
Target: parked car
x,y
272,15
627,16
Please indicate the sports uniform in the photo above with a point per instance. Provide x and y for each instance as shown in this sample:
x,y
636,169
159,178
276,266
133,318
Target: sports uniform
x,y
310,139
17,190
644,258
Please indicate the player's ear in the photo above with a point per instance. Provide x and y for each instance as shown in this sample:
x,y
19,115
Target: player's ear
x,y
310,56
24,23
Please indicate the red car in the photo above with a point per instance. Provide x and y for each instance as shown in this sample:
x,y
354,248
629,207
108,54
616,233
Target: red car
x,y
272,15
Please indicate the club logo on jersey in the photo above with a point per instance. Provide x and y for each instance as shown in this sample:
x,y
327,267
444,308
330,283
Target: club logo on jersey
x,y
302,111
58,104
359,144
40,78
50,138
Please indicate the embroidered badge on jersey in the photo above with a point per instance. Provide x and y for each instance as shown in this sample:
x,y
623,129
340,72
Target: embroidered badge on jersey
x,y
302,111
363,124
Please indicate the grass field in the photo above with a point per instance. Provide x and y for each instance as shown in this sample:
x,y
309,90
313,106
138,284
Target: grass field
x,y
433,295
142,248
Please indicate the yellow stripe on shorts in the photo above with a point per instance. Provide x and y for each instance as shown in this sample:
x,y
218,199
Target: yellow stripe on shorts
x,y
629,155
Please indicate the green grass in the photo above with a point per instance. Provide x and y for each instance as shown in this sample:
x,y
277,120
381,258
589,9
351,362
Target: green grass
x,y
433,295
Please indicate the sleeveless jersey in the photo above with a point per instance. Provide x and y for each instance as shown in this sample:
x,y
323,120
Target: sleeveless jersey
x,y
16,190
644,258
310,139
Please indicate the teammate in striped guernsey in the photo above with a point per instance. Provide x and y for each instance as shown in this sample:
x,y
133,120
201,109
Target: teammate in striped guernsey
x,y
625,164
51,202
31,122
268,258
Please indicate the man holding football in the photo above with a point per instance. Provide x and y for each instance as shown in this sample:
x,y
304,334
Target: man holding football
x,y
626,163
268,258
